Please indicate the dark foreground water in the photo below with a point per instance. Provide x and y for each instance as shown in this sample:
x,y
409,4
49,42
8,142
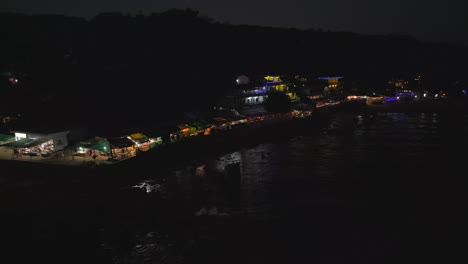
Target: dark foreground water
x,y
381,188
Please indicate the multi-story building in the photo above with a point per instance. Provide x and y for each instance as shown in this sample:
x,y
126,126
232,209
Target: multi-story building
x,y
406,87
332,84
250,93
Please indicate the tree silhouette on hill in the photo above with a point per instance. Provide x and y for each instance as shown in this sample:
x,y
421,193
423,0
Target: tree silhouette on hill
x,y
184,59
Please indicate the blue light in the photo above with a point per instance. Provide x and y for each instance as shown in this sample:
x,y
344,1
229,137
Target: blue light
x,y
391,99
411,94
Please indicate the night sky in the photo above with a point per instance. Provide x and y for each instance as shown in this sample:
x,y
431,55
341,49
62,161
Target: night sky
x,y
429,20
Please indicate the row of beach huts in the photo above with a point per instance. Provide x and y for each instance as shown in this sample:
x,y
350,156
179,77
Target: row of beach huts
x,y
44,144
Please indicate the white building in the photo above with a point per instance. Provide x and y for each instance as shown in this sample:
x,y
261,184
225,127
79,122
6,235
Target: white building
x,y
48,140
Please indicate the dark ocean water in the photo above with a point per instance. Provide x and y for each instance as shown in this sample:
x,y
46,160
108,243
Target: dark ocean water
x,y
379,188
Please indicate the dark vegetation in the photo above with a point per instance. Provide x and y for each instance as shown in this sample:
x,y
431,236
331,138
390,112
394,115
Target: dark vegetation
x,y
278,103
133,69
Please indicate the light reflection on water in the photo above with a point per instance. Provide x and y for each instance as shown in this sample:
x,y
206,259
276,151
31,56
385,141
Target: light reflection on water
x,y
148,186
353,192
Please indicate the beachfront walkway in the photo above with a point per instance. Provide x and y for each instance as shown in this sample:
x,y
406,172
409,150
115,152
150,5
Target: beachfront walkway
x,y
65,157
70,158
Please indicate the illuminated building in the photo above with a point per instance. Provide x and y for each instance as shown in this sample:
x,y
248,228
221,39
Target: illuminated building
x,y
399,84
332,83
254,92
142,142
122,148
36,142
279,84
411,87
5,139
246,93
374,100
93,146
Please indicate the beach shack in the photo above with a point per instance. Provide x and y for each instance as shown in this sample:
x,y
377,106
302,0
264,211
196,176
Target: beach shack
x,y
203,127
94,146
182,131
5,139
221,123
141,141
122,148
42,142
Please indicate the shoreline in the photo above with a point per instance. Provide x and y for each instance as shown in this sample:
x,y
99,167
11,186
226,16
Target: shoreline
x,y
419,106
198,148
171,156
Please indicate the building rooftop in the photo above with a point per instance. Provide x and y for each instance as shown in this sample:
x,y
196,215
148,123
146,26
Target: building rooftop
x,y
121,142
